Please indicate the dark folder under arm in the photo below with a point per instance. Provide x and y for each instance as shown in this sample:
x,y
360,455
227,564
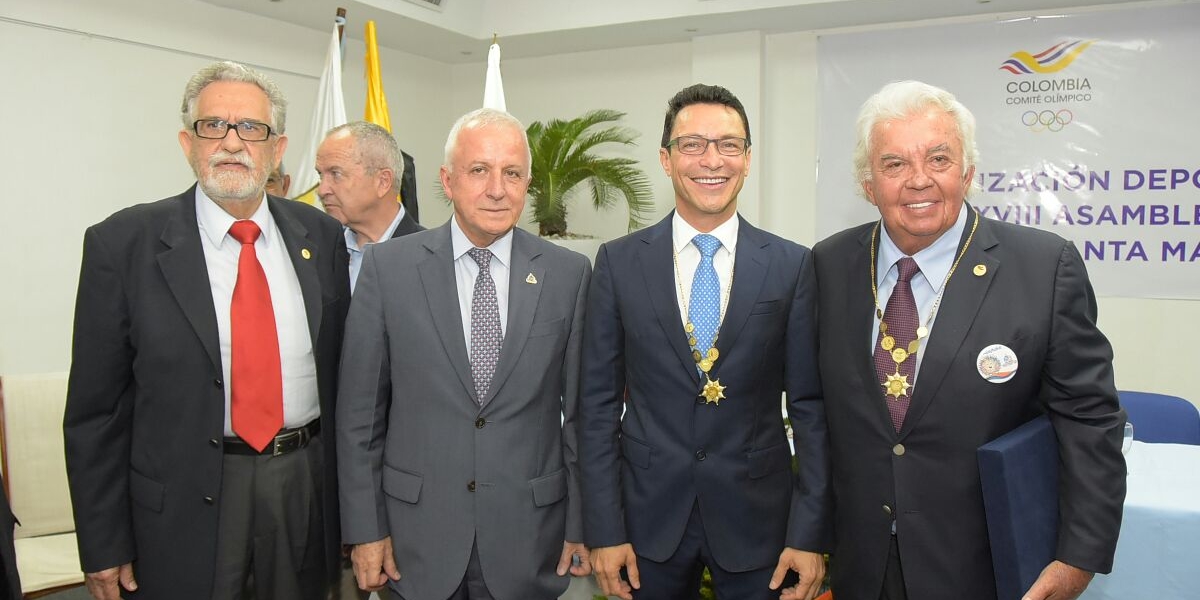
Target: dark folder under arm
x,y
1019,474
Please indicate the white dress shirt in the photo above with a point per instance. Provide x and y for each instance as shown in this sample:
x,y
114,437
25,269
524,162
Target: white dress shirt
x,y
688,256
221,252
466,270
934,261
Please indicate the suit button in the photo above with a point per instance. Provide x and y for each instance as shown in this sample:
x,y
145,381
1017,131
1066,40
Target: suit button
x,y
471,486
480,422
887,510
214,443
700,455
208,500
217,382
898,449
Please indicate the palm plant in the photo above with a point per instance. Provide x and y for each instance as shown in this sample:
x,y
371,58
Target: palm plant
x,y
563,159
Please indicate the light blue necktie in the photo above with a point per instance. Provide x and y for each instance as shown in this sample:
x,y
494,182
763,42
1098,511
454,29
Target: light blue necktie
x,y
704,308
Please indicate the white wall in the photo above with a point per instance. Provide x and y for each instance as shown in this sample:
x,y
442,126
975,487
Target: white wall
x,y
101,115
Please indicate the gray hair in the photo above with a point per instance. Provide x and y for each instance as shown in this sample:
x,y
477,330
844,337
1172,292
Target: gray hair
x,y
479,118
231,71
374,149
901,99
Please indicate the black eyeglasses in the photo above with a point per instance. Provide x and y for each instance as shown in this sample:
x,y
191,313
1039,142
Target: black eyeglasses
x,y
217,129
695,145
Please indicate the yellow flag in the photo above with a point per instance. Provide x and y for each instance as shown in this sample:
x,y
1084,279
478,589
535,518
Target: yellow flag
x,y
377,109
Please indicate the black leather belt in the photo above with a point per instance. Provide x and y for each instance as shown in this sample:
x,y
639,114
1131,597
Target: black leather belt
x,y
288,440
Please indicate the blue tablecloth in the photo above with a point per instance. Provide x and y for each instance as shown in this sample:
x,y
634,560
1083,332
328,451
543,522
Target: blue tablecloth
x,y
1158,554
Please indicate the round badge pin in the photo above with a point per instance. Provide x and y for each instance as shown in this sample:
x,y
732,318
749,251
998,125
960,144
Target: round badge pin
x,y
996,363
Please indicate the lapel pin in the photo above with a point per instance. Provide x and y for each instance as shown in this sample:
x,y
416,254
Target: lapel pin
x,y
305,253
530,279
980,270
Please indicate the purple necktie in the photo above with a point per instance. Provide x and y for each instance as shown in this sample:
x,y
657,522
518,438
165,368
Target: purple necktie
x,y
902,321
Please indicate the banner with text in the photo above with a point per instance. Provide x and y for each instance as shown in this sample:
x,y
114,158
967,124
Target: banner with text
x,y
1086,126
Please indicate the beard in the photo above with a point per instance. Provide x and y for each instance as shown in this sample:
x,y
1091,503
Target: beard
x,y
230,185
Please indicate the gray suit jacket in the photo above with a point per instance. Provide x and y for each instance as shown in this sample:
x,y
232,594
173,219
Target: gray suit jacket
x,y
421,461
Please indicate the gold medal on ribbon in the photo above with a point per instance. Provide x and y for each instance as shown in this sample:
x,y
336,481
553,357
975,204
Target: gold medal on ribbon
x,y
896,385
690,328
705,365
899,354
713,392
922,332
887,343
713,354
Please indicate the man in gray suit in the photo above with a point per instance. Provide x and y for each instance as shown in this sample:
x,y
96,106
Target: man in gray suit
x,y
459,392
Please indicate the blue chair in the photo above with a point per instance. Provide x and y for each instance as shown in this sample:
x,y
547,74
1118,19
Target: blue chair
x,y
1158,418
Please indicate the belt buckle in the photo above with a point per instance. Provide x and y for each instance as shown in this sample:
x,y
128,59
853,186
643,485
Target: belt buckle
x,y
287,442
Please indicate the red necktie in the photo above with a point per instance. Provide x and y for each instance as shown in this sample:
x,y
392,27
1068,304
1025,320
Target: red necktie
x,y
256,396
902,320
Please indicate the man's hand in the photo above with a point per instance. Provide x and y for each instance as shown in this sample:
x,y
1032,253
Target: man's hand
x,y
374,565
607,562
103,585
567,561
809,565
1059,581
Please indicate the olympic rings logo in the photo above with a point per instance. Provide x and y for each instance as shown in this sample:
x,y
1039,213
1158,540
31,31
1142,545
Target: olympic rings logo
x,y
1047,120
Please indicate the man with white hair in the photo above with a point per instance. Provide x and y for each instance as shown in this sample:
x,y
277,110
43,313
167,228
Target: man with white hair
x,y
457,448
207,332
940,331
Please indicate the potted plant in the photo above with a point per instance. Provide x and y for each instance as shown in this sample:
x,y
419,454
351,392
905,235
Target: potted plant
x,y
563,159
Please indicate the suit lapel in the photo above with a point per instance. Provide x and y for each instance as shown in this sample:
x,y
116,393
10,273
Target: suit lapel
x,y
182,265
303,254
861,312
751,263
658,273
522,303
441,292
960,304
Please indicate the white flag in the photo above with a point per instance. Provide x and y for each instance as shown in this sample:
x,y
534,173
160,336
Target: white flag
x,y
493,86
329,112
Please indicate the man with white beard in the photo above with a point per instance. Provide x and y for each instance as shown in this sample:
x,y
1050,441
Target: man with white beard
x,y
208,328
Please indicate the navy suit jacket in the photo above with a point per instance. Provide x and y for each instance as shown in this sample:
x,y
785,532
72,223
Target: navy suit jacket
x,y
1016,286
645,469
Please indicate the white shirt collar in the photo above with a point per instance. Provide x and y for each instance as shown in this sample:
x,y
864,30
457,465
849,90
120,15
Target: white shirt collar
x,y
934,260
215,222
501,248
682,232
352,238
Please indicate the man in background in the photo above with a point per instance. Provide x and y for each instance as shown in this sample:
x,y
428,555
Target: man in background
x,y
361,170
941,331
459,393
278,182
207,332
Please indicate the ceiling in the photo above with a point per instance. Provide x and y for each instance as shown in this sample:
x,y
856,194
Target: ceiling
x,y
459,31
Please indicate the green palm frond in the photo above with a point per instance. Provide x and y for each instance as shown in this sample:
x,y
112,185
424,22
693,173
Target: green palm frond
x,y
563,159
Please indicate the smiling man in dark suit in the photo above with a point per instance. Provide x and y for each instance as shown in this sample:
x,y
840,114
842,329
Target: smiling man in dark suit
x,y
207,332
940,331
696,327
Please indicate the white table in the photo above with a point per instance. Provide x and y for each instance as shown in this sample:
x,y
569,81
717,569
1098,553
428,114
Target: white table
x,y
1158,554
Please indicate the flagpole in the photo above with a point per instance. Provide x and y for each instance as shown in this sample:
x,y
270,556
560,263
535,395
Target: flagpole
x,y
341,23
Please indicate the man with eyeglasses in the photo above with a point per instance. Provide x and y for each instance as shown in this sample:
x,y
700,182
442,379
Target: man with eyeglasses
x,y
207,332
458,393
695,328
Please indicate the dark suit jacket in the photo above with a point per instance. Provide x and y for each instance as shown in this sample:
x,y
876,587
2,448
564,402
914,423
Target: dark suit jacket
x,y
422,460
643,473
407,225
145,407
408,187
11,590
1034,298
